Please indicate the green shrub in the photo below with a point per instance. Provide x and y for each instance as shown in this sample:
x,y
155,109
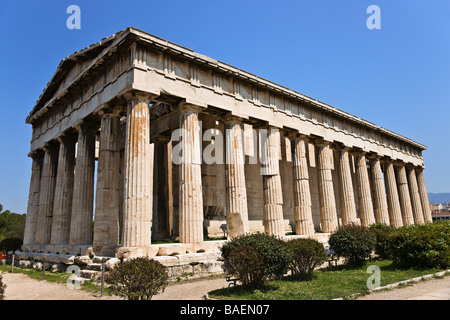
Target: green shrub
x,y
354,243
254,258
138,279
10,244
2,288
421,245
307,254
382,245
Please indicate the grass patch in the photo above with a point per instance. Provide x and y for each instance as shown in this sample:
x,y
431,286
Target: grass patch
x,y
56,277
328,283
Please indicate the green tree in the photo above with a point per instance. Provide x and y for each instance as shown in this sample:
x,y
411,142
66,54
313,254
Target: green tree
x,y
12,225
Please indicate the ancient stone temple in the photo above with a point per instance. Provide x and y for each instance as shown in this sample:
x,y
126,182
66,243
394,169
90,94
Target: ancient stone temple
x,y
137,140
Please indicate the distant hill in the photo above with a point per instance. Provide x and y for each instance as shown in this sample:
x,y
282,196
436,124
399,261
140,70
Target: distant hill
x,y
438,197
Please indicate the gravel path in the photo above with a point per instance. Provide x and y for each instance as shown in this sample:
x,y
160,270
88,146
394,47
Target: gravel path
x,y
21,287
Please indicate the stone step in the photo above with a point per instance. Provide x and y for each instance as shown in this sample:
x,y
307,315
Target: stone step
x,y
89,274
94,266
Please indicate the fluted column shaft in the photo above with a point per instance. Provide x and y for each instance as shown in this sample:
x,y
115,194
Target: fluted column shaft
x,y
190,183
380,203
404,196
423,196
137,215
106,226
83,189
347,195
272,189
304,224
366,213
237,211
62,207
415,197
328,213
46,197
33,199
395,213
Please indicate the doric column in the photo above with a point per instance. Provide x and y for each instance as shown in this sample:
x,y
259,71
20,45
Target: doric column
x,y
107,197
237,211
33,198
328,213
190,176
415,197
347,195
83,186
395,213
366,213
272,190
304,224
161,181
403,192
62,206
380,203
47,192
423,196
137,215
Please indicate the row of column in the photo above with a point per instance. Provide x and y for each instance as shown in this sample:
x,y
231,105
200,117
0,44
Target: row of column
x,y
61,200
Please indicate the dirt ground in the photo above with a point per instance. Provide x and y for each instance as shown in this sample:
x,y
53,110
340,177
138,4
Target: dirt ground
x,y
21,287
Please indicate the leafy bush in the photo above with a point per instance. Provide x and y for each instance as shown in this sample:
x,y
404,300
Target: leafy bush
x,y
421,245
138,279
382,245
2,288
254,258
354,243
307,254
10,244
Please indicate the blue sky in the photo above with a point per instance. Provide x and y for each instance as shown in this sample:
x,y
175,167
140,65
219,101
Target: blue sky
x,y
397,77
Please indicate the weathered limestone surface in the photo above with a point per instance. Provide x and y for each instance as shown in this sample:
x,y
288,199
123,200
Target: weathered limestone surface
x,y
366,213
106,226
167,87
237,212
423,196
379,193
190,179
347,194
273,196
62,207
415,197
395,213
33,199
83,189
47,187
403,192
304,224
328,214
137,216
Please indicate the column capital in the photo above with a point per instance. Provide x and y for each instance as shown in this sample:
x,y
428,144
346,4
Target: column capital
x,y
338,146
295,135
50,146
230,118
321,142
139,96
36,154
112,110
374,156
185,106
67,137
87,125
